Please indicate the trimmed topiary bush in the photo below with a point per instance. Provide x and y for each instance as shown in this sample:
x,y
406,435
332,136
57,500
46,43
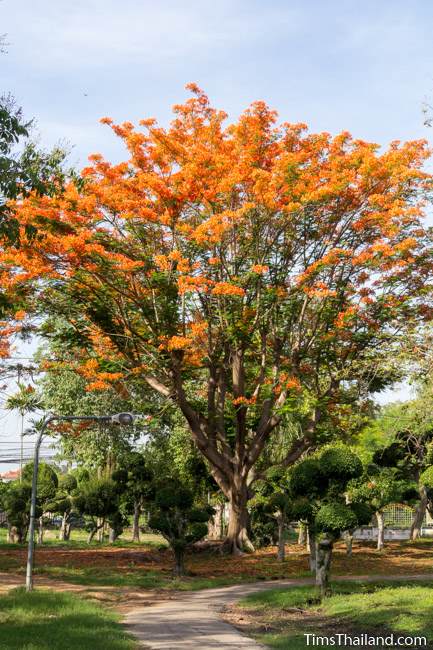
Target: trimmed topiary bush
x,y
340,464
306,476
334,518
178,520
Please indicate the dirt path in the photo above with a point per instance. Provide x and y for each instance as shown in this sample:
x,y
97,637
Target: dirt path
x,y
192,620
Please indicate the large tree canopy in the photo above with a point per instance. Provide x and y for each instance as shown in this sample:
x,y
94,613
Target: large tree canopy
x,y
236,269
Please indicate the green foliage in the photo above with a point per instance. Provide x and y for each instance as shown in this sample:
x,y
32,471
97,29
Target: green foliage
x,y
263,526
67,483
47,481
15,501
136,477
97,498
334,518
378,487
363,512
63,501
306,477
426,479
176,517
340,464
173,441
64,392
25,171
391,455
271,506
303,509
25,400
320,484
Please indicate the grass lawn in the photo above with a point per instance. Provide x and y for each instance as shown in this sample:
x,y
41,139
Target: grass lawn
x,y
279,618
79,540
143,579
45,620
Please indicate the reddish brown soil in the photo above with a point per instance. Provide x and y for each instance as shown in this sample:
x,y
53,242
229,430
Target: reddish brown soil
x,y
397,559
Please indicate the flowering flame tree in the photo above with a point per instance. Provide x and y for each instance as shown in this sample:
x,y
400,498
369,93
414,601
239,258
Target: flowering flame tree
x,y
233,268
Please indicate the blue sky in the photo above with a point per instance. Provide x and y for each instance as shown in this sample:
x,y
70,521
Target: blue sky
x,y
366,67
361,66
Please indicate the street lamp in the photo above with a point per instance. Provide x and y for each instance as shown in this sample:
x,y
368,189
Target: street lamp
x,y
119,418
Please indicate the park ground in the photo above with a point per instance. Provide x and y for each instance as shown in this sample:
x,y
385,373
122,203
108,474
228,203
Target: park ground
x,y
280,618
148,565
99,584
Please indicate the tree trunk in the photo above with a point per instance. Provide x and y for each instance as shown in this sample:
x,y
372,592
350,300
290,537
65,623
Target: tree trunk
x,y
63,527
419,514
281,555
216,524
96,529
21,532
312,547
112,535
41,530
100,529
136,522
68,531
323,566
11,534
302,534
348,538
91,535
380,530
179,562
237,541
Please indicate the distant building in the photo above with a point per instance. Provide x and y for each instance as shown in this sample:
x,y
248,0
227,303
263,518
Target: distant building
x,y
11,475
398,519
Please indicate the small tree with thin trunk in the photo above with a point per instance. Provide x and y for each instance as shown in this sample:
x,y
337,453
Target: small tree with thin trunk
x,y
378,487
63,503
364,512
97,499
46,490
15,501
320,484
138,488
178,520
411,449
274,500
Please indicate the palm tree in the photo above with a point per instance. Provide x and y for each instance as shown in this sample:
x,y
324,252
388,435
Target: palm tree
x,y
25,400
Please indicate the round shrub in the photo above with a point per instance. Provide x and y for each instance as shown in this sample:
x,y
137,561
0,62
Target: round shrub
x,y
174,497
339,463
334,518
363,513
196,532
302,509
67,482
306,477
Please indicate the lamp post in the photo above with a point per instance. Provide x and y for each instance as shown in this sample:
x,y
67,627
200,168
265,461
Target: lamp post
x,y
119,418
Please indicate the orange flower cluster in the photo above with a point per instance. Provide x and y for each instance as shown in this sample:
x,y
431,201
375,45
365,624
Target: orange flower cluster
x,y
227,289
171,241
260,269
